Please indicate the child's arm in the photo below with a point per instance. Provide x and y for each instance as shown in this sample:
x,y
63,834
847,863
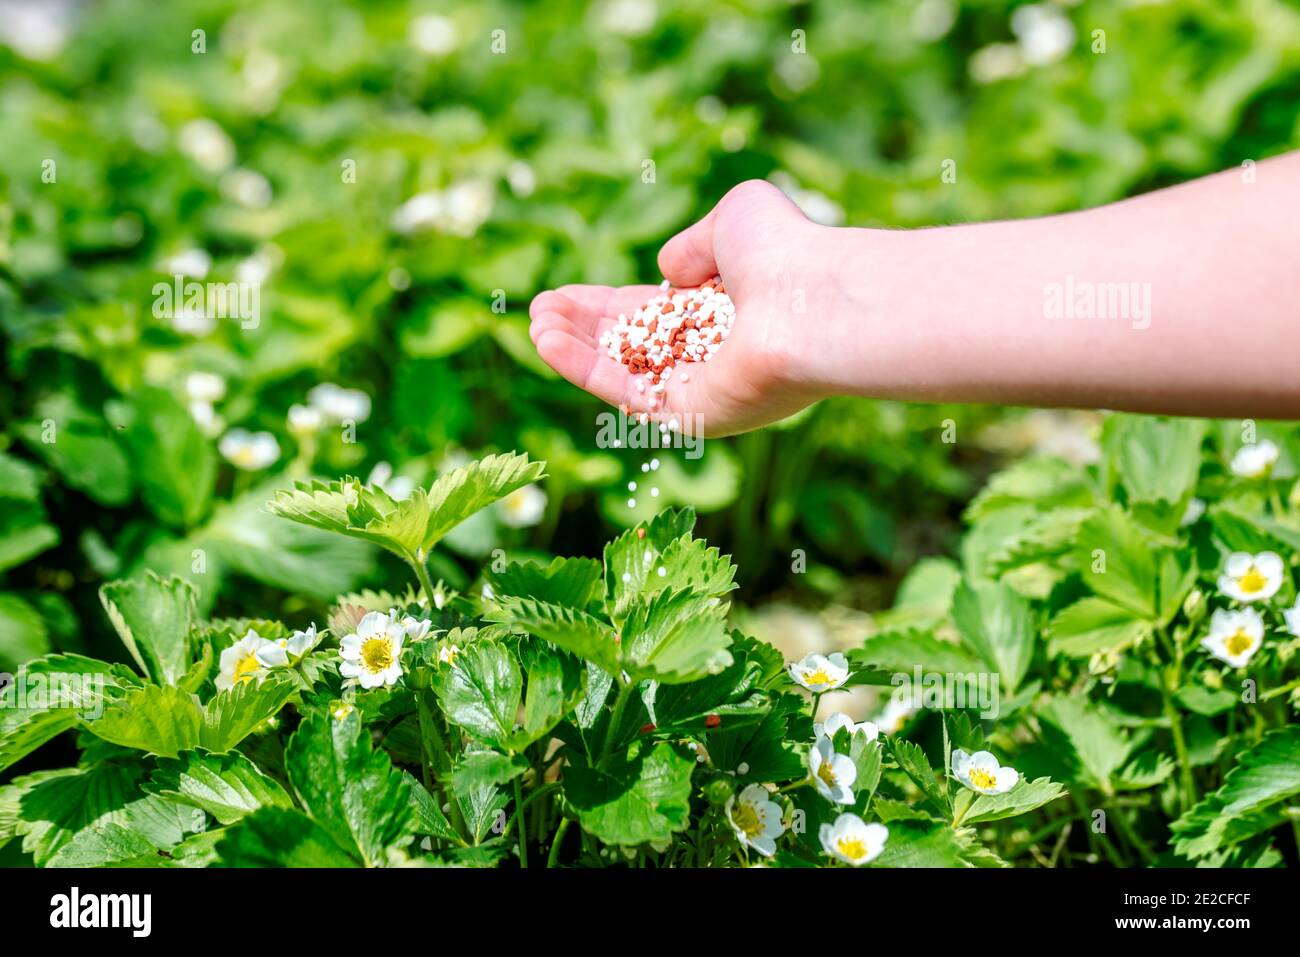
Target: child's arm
x,y
1184,301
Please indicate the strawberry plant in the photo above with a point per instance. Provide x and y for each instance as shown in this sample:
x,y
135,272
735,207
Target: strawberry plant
x,y
1142,619
1136,623
578,712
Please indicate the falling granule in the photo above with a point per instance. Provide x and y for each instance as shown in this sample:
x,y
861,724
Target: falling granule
x,y
631,486
654,492
675,326
631,503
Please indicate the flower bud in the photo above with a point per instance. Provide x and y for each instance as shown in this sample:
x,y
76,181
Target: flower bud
x,y
717,791
1194,606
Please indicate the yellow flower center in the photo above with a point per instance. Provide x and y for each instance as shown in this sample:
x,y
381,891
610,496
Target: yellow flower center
x,y
818,677
1238,643
745,817
853,848
377,654
246,668
826,774
982,779
1254,580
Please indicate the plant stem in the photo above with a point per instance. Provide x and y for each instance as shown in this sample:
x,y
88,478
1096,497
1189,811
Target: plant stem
x,y
1272,693
1171,677
426,586
1130,834
521,824
1275,500
433,745
1187,787
620,704
560,831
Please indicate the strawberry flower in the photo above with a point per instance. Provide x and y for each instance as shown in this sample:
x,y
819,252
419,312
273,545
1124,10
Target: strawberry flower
x,y
981,772
853,841
820,673
241,662
839,721
1235,636
755,819
372,655
1248,577
832,774
280,652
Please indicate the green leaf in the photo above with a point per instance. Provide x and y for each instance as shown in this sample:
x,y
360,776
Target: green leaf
x,y
628,572
280,837
899,652
350,790
483,809
60,692
83,452
102,846
765,750
177,464
168,720
556,682
409,528
485,769
58,806
913,762
324,505
234,714
999,625
732,698
1086,737
429,818
569,582
1041,481
162,720
1094,626
675,636
1024,797
481,691
23,634
462,492
921,844
1206,701
634,800
1243,530
154,618
1154,459
585,635
1254,797
19,481
1123,563
227,786
24,534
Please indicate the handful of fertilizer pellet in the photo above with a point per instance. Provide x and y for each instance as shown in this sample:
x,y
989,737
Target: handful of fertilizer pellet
x,y
674,327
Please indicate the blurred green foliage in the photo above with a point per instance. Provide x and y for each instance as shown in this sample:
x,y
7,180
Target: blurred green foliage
x,y
286,141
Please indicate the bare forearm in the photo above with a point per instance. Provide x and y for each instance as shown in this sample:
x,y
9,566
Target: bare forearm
x,y
1184,301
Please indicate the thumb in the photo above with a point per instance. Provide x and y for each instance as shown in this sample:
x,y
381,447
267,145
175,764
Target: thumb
x,y
692,255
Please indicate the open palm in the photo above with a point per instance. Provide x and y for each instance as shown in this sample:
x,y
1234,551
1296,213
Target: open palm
x,y
754,239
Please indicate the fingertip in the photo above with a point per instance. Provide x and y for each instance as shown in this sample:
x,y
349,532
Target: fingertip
x,y
565,354
549,301
553,320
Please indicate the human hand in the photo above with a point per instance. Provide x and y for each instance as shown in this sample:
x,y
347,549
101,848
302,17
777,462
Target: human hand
x,y
769,256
